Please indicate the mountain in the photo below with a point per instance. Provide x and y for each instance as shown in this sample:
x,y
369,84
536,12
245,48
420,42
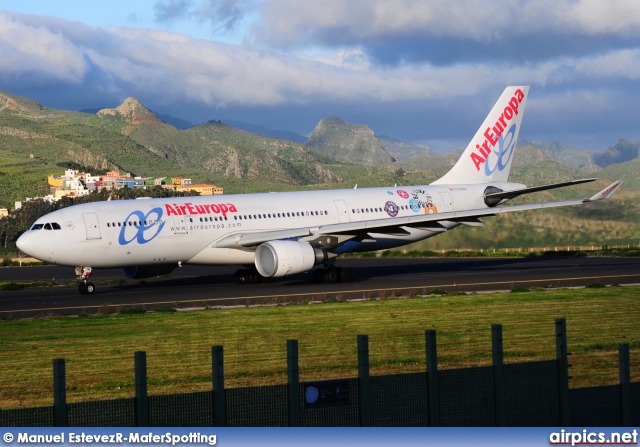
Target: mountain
x,y
18,104
131,138
220,149
132,111
624,150
266,132
563,153
178,123
402,151
348,143
628,171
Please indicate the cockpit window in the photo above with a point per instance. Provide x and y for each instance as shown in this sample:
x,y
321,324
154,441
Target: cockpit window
x,y
46,226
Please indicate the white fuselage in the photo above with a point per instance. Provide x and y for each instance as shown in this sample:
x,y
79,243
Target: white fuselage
x,y
185,230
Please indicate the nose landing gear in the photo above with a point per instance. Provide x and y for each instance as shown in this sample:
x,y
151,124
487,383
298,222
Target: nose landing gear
x,y
85,287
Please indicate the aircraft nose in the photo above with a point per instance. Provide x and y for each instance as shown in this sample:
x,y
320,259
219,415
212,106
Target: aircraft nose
x,y
25,244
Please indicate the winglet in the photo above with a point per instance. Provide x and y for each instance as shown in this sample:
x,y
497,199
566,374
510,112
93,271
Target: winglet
x,y
605,193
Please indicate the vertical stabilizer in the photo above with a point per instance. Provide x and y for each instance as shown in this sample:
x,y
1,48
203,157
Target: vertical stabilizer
x,y
489,155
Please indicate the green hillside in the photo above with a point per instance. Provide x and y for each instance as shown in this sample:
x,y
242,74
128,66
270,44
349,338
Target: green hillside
x,y
34,139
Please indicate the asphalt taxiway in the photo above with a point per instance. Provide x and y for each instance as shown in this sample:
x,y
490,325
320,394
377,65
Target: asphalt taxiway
x,y
207,286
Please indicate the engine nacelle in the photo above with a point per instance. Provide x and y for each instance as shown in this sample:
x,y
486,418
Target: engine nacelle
x,y
147,271
281,258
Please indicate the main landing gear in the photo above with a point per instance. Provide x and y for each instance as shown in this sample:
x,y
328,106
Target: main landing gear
x,y
248,276
331,274
85,287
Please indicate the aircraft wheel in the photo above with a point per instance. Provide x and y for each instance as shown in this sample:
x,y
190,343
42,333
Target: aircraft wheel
x,y
241,276
90,288
81,289
331,276
253,277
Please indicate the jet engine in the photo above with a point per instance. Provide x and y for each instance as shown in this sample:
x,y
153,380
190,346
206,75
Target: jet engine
x,y
281,258
147,271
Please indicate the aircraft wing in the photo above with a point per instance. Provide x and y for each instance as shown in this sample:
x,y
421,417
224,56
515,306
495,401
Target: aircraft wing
x,y
394,225
518,192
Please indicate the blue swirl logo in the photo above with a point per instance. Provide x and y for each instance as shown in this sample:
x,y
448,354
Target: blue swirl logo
x,y
504,152
141,227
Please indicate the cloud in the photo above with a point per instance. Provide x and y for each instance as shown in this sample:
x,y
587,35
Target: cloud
x,y
431,88
168,10
224,15
36,50
442,32
220,74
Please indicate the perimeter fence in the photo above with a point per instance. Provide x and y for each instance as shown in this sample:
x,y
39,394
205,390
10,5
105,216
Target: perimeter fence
x,y
514,394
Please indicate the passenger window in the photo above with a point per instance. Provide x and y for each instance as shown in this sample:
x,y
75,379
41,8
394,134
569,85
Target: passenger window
x,y
47,226
108,224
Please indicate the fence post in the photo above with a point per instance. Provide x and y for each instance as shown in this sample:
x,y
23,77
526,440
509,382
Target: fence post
x,y
293,381
142,398
498,375
625,383
563,371
432,378
59,394
219,401
364,383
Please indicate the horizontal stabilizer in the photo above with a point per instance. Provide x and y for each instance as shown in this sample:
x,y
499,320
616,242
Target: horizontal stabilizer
x,y
518,192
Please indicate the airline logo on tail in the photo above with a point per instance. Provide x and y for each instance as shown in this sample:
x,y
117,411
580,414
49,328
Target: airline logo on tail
x,y
497,136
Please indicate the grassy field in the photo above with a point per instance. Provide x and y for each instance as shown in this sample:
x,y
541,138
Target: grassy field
x,y
99,350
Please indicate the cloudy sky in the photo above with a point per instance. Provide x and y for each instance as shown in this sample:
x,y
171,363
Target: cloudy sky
x,y
421,71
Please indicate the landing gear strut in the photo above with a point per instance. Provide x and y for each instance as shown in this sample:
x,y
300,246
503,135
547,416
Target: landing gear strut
x,y
85,287
331,274
248,276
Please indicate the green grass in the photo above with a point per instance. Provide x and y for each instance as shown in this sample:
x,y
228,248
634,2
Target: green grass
x,y
99,349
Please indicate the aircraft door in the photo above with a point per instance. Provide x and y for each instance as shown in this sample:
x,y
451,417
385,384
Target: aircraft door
x,y
343,212
180,225
91,225
448,202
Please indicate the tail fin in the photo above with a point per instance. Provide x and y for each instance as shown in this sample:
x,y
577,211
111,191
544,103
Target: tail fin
x,y
489,155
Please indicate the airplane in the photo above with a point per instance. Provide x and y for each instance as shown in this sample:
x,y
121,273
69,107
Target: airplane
x,y
279,234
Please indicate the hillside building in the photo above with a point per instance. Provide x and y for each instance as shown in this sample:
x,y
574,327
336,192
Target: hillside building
x,y
203,189
77,184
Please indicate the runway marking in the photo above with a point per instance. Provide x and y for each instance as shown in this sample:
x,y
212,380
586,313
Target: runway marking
x,y
333,292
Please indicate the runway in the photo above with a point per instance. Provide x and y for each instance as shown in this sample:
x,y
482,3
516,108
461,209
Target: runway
x,y
206,286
